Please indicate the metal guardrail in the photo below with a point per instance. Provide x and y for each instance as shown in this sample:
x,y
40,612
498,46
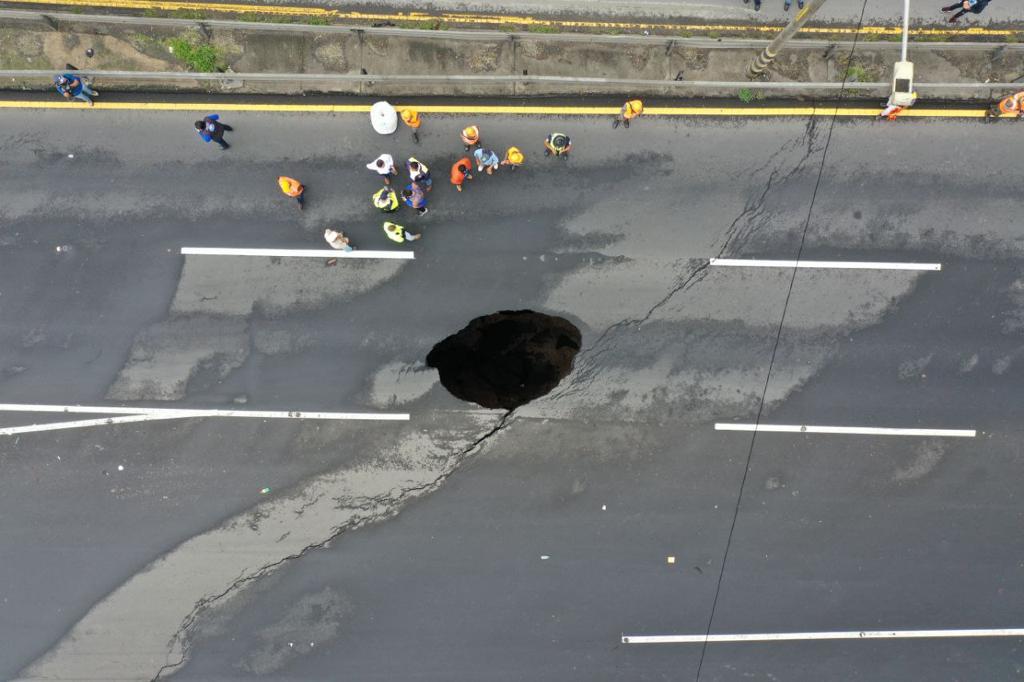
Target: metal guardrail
x,y
341,78
54,19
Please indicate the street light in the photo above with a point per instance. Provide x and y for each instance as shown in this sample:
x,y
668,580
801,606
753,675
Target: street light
x,y
903,71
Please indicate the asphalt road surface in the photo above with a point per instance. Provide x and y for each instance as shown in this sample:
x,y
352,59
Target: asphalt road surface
x,y
468,544
847,12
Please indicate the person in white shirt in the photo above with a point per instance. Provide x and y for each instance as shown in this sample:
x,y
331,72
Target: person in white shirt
x,y
384,166
337,240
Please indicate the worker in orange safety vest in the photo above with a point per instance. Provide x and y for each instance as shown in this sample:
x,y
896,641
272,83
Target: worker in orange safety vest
x,y
293,188
1012,105
411,118
470,136
514,158
628,112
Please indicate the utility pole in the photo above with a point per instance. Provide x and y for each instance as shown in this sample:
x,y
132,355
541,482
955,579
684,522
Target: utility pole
x,y
761,63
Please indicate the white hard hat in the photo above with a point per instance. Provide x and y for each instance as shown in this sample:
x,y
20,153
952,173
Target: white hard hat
x,y
383,118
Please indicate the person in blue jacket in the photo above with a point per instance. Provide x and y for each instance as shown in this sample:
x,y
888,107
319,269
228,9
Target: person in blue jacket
x,y
71,86
210,129
962,8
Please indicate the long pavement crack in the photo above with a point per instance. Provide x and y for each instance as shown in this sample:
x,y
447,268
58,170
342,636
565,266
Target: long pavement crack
x,y
751,211
386,506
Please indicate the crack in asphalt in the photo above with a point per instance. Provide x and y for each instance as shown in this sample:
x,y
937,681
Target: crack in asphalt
x,y
753,210
387,504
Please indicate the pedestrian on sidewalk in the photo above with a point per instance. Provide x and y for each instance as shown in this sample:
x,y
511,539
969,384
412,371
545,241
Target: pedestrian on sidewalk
x,y
789,3
293,188
486,160
384,166
470,137
71,86
337,240
965,6
514,158
210,129
757,4
397,233
411,118
1012,105
415,197
628,112
386,200
461,172
558,144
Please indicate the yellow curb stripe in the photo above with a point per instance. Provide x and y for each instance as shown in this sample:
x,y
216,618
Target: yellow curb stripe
x,y
506,110
466,18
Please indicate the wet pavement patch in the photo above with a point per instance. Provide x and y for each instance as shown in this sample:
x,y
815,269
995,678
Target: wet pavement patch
x,y
506,359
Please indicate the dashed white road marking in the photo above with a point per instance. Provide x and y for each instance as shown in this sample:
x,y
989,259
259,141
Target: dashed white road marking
x,y
297,253
849,430
827,264
809,636
142,414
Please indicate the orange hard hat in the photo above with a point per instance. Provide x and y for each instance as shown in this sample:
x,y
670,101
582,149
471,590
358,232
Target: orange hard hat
x,y
471,133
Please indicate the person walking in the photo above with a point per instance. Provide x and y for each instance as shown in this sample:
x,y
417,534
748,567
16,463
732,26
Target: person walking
x,y
789,3
397,233
461,172
419,172
71,86
965,6
337,240
628,112
470,137
293,188
486,160
514,158
557,144
384,166
210,129
411,118
415,197
757,4
386,200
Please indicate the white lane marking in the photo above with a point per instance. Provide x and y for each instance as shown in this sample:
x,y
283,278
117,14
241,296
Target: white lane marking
x,y
296,253
828,264
856,430
80,423
173,413
805,636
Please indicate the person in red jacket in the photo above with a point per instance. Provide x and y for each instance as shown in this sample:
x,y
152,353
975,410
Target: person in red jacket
x,y
461,172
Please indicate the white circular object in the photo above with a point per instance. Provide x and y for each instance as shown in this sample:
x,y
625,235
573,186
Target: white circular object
x,y
383,118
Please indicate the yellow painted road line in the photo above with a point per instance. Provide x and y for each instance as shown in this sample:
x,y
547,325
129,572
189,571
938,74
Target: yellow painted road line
x,y
506,110
470,18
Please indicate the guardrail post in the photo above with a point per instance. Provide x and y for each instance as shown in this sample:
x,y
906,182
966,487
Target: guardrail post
x,y
515,64
49,21
361,36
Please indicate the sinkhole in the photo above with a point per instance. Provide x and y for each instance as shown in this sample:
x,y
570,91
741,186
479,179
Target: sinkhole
x,y
506,359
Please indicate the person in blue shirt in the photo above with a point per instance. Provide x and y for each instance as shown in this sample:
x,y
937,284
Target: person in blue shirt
x,y
71,86
965,6
486,159
210,129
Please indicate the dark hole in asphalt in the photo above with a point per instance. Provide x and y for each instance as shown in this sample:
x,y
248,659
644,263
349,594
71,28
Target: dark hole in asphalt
x,y
506,359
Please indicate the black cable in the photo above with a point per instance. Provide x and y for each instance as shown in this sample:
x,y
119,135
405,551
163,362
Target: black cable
x,y
775,349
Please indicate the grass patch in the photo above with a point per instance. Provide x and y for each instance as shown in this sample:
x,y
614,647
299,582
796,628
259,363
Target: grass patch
x,y
198,56
748,95
193,14
856,73
542,28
